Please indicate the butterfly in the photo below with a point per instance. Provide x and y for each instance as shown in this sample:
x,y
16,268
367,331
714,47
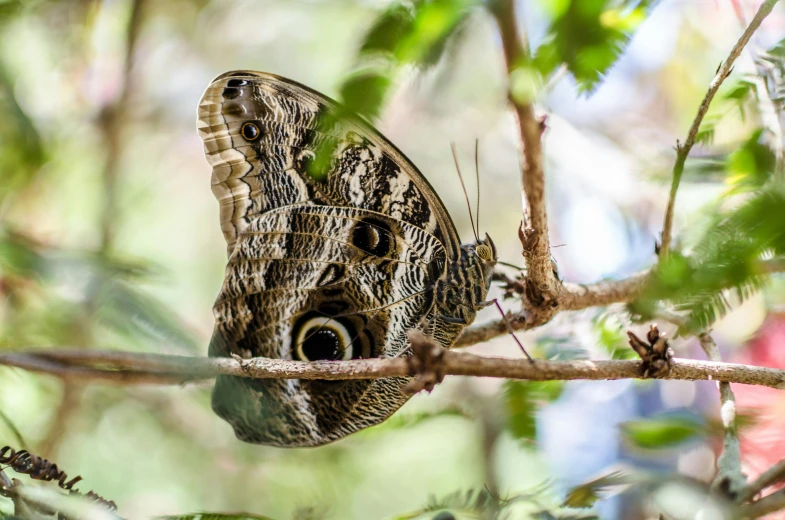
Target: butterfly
x,y
331,263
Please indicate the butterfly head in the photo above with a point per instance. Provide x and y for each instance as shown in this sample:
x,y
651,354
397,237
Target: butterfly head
x,y
483,254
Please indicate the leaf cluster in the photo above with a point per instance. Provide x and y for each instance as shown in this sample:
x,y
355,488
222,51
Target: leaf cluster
x,y
587,37
728,258
50,294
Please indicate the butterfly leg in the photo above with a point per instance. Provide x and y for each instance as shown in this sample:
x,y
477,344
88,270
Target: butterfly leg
x,y
507,323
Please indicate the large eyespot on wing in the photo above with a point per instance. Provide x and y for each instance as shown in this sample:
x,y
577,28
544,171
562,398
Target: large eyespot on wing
x,y
319,283
261,133
322,338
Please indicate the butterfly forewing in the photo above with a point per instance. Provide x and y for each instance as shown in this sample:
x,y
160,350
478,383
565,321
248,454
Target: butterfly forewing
x,y
271,170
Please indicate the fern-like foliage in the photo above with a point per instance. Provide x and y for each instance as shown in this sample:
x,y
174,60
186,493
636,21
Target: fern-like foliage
x,y
728,260
49,289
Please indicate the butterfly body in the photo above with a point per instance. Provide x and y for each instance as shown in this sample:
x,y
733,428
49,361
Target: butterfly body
x,y
335,265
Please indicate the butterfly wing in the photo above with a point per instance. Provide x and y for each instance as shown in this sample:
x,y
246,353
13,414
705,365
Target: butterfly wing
x,y
336,266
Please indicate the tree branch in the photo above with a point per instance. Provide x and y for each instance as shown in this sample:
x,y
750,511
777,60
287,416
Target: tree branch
x,y
111,123
577,297
540,280
134,368
683,150
730,480
771,476
765,505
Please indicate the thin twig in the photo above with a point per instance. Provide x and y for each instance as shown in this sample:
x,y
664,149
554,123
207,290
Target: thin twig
x,y
683,150
771,476
730,480
69,406
111,122
575,297
134,368
765,505
534,233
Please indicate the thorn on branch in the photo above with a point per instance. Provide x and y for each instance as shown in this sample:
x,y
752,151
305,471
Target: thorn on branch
x,y
528,238
656,354
426,363
543,121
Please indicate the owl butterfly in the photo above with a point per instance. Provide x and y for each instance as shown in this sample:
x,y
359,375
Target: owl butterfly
x,y
333,263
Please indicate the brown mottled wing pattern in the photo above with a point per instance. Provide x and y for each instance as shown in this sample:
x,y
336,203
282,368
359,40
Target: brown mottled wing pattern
x,y
356,253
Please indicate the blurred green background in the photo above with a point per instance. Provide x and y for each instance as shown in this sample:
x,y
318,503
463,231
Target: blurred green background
x,y
109,239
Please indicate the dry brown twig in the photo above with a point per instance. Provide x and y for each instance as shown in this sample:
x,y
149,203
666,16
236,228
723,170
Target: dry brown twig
x,y
683,150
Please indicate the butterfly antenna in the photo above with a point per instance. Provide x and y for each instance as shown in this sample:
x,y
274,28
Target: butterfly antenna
x,y
477,174
465,193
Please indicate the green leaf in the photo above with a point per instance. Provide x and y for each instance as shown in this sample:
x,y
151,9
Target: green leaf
x,y
363,92
21,148
549,515
705,135
20,256
102,285
588,36
473,504
466,502
214,516
407,33
522,401
388,29
612,337
560,348
751,165
434,22
661,432
129,311
742,91
586,495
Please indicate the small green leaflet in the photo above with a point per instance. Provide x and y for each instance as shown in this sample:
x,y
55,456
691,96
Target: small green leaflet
x,y
661,432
